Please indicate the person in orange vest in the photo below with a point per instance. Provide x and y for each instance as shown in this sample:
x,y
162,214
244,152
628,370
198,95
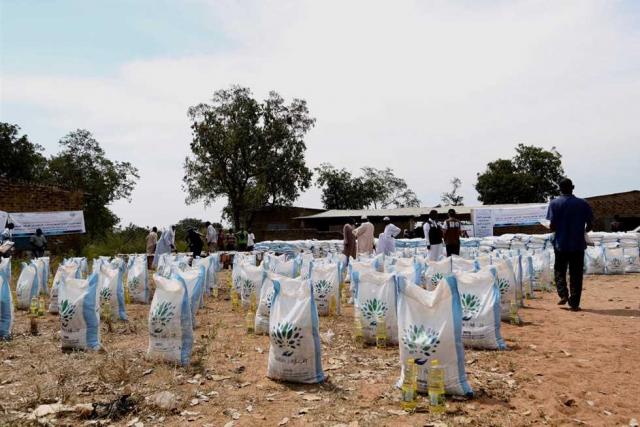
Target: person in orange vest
x,y
452,229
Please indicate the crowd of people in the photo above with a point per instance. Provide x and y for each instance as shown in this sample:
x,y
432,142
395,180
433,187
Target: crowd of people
x,y
212,239
37,242
359,238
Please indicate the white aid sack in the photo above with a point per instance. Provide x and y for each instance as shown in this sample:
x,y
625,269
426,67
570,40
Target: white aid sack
x,y
410,269
42,265
170,328
631,260
112,290
480,302
263,310
27,286
507,285
461,264
6,306
289,268
210,274
66,270
614,260
294,352
594,260
79,307
138,280
436,271
375,298
430,327
325,279
250,283
542,273
193,279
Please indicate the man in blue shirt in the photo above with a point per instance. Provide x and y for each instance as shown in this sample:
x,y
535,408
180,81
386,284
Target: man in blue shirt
x,y
570,218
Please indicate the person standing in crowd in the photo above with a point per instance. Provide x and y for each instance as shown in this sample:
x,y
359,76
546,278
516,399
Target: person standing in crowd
x,y
230,240
349,240
251,241
241,240
194,242
433,234
364,234
616,225
387,239
7,233
212,237
152,241
221,240
570,218
38,244
418,231
452,228
166,244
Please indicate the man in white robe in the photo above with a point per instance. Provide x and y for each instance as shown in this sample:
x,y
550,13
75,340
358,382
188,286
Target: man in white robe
x,y
387,239
433,235
364,235
166,244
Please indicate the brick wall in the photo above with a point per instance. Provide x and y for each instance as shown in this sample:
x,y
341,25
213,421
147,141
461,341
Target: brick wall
x,y
625,205
23,196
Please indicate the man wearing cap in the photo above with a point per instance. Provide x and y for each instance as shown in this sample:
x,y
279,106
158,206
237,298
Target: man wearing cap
x,y
433,234
364,234
570,218
387,239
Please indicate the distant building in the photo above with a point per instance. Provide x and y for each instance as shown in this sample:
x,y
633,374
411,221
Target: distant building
x,y
626,205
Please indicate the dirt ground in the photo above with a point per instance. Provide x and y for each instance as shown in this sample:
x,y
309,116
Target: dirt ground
x,y
562,368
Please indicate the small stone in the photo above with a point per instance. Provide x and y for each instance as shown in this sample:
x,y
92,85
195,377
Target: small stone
x,y
283,421
607,413
590,402
164,400
194,402
311,397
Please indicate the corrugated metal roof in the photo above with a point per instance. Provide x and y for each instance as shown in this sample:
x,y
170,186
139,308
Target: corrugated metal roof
x,y
357,213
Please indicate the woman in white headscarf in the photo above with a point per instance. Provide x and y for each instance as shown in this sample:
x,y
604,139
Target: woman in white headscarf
x,y
166,244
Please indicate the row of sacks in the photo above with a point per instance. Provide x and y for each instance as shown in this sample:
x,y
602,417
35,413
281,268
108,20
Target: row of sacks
x,y
611,260
461,309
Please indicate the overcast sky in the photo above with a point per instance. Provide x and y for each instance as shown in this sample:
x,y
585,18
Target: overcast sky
x,y
432,89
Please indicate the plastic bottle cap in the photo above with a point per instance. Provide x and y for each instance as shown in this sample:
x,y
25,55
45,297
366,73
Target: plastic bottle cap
x,y
435,362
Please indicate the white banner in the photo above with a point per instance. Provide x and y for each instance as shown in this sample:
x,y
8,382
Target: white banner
x,y
51,223
3,219
484,219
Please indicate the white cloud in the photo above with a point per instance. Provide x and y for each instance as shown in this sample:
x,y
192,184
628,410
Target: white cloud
x,y
431,89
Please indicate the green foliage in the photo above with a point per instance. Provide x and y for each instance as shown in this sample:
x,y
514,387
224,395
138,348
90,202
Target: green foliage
x,y
19,157
82,165
252,153
185,224
376,188
532,176
452,198
128,240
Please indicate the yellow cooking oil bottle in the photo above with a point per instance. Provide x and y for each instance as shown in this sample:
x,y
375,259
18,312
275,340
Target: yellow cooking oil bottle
x,y
435,381
409,386
381,333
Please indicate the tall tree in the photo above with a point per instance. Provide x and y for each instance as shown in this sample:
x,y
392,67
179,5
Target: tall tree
x,y
83,165
250,152
19,157
387,190
452,198
532,176
376,188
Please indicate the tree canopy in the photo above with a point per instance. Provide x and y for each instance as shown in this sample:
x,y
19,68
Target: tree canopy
x,y
83,165
532,176
250,152
452,198
19,157
375,188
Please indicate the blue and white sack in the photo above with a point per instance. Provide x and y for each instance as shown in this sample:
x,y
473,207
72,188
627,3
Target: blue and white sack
x,y
193,279
170,327
263,310
542,274
436,271
375,297
594,260
42,265
480,302
507,285
412,270
5,268
249,283
210,273
614,260
294,352
289,268
27,286
325,279
79,302
430,327
631,260
112,290
138,279
6,306
65,270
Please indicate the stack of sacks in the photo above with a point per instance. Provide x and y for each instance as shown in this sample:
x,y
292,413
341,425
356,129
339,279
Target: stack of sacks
x,y
610,240
596,237
630,243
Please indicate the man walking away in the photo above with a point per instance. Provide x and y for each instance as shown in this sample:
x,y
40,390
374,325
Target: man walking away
x,y
570,218
452,233
364,234
212,237
349,240
194,242
390,232
251,241
433,234
152,241
38,244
